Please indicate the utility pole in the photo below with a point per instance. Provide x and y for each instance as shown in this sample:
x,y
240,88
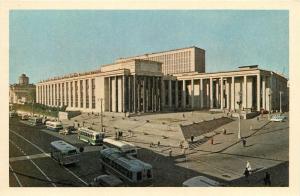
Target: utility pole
x,y
239,103
270,93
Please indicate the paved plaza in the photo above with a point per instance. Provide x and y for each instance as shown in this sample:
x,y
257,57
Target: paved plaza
x,y
225,158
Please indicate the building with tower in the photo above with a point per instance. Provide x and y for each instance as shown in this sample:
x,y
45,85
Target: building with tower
x,y
22,92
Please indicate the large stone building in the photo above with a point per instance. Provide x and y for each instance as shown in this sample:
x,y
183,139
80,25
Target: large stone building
x,y
175,61
148,84
23,92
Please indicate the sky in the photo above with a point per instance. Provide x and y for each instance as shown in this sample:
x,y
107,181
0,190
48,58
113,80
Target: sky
x,y
47,43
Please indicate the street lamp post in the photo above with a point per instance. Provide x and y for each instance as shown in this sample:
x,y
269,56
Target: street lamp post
x,y
239,103
270,93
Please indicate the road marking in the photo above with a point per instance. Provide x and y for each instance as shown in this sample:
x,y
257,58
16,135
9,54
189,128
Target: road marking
x,y
28,158
35,156
19,182
42,172
28,141
73,174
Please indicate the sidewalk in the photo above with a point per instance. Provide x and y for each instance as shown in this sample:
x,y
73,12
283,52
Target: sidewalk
x,y
143,133
223,141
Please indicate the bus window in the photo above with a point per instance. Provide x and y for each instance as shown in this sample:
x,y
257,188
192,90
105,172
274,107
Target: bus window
x,y
149,173
70,152
139,176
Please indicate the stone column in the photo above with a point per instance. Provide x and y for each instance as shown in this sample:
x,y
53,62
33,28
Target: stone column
x,y
60,92
170,94
201,93
116,95
221,93
245,92
217,93
49,94
123,93
65,92
207,94
153,95
232,93
211,93
163,95
258,92
129,93
109,94
176,94
42,94
69,93
74,93
134,93
144,94
264,92
192,93
183,100
84,93
227,95
138,94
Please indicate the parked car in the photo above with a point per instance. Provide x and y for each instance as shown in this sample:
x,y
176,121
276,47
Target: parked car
x,y
201,181
12,114
68,130
107,181
278,118
24,117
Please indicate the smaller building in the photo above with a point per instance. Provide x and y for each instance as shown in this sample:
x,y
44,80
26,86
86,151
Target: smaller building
x,y
23,92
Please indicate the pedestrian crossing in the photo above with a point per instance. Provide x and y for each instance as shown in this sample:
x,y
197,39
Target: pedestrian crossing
x,y
28,157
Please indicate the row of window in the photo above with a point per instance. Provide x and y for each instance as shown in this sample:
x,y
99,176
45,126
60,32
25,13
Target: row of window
x,y
60,99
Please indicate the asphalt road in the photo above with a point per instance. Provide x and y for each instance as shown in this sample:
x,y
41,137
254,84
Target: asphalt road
x,y
267,150
43,171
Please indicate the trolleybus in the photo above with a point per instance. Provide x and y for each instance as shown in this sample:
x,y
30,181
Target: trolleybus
x,y
64,153
131,170
90,136
123,146
54,125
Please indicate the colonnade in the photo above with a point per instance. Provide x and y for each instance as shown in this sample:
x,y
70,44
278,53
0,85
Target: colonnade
x,y
79,93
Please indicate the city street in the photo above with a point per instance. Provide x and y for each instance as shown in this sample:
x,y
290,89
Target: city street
x,y
266,150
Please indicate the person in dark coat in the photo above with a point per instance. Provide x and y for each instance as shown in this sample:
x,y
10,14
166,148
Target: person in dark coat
x,y
267,179
192,138
247,173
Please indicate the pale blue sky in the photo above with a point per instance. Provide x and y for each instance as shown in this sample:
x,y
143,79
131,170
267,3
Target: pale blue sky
x,y
52,43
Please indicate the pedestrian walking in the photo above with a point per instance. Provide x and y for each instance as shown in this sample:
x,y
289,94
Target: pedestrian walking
x,y
224,131
183,115
181,144
244,142
246,173
158,143
212,140
267,179
248,166
192,138
170,153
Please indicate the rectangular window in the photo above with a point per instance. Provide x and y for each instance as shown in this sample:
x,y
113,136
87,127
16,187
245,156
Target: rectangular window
x,y
87,93
93,94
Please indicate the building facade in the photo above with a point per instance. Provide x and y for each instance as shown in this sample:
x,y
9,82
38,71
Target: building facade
x,y
191,59
139,85
23,92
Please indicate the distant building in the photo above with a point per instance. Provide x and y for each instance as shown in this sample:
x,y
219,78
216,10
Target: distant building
x,y
182,60
23,92
146,83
